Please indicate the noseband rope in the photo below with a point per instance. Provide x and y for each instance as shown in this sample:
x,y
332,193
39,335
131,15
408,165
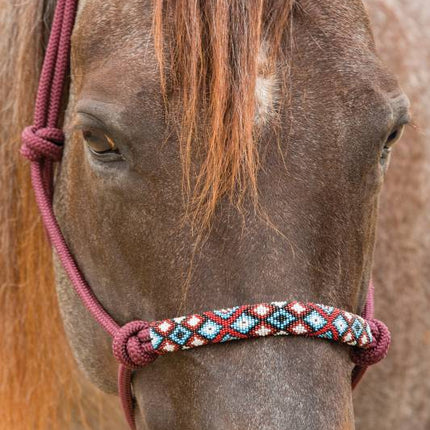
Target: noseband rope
x,y
138,343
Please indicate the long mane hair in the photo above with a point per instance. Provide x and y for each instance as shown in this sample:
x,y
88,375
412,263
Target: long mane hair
x,y
213,61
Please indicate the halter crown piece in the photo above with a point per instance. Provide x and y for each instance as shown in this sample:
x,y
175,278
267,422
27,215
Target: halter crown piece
x,y
138,343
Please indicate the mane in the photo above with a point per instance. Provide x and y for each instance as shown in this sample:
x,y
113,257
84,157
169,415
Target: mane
x,y
37,370
211,55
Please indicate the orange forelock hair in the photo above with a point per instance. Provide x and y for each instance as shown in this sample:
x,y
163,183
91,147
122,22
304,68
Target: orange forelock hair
x,y
208,54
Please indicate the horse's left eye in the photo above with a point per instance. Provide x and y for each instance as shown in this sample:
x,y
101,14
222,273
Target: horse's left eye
x,y
394,137
98,142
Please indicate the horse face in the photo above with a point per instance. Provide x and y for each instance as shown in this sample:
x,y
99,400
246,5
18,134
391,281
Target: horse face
x,y
120,203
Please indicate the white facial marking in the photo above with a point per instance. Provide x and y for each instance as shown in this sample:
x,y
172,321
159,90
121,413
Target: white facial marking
x,y
266,89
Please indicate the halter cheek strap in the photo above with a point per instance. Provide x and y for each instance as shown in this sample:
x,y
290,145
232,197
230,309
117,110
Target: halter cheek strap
x,y
138,343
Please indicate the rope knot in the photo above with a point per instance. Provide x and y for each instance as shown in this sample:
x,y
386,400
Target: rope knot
x,y
41,143
378,349
132,345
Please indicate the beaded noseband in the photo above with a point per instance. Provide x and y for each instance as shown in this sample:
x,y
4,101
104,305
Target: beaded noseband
x,y
138,343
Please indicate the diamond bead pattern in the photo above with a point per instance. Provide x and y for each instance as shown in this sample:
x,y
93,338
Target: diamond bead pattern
x,y
264,319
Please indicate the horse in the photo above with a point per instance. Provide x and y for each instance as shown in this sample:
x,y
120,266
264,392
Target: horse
x,y
220,153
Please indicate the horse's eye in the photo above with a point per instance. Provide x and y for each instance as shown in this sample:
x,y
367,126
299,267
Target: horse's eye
x,y
98,142
395,136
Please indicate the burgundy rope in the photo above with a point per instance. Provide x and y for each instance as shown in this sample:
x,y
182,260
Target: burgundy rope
x,y
132,346
43,145
364,358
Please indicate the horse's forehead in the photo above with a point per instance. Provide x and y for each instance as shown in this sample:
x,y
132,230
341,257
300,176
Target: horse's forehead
x,y
108,34
99,12
105,29
102,28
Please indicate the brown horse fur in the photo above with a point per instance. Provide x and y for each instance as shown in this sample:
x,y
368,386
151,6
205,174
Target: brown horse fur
x,y
40,387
